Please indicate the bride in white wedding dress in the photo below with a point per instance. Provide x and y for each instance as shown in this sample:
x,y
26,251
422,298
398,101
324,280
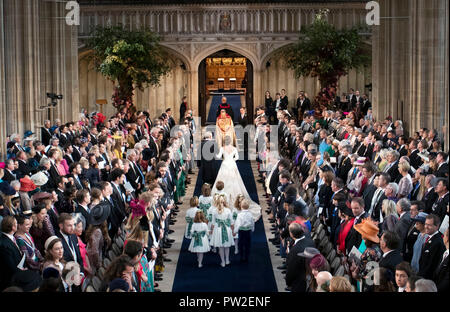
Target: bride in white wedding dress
x,y
230,176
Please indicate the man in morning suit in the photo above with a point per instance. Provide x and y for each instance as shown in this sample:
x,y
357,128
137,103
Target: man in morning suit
x,y
433,248
389,245
10,254
296,266
207,161
69,240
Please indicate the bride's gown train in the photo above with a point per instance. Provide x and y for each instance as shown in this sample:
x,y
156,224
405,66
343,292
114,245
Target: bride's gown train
x,y
230,176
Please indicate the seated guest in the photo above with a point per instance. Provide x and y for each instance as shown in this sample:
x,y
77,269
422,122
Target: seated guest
x,y
25,242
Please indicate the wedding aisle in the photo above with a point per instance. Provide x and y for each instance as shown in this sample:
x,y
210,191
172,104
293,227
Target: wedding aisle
x,y
255,276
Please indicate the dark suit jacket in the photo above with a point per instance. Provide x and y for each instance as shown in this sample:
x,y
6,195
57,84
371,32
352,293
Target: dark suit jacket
x,y
415,159
67,253
429,199
440,207
10,257
431,256
391,260
8,177
296,266
207,166
274,181
401,228
367,194
243,121
354,237
84,213
23,170
343,168
441,276
46,136
442,172
393,172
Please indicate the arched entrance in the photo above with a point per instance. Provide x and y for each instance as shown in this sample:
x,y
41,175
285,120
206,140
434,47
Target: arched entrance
x,y
225,73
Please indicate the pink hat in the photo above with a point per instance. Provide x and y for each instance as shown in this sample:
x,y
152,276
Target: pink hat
x,y
2,165
360,161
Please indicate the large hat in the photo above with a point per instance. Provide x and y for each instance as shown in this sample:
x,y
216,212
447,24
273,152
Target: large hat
x,y
309,252
7,189
317,262
421,217
99,213
2,165
137,208
27,185
368,229
39,178
360,161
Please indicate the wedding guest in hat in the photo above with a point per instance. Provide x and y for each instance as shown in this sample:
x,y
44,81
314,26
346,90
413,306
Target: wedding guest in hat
x,y
42,228
97,237
39,179
370,250
80,226
26,186
419,224
317,264
24,240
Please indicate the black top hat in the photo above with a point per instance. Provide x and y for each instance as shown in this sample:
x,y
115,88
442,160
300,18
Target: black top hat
x,y
99,213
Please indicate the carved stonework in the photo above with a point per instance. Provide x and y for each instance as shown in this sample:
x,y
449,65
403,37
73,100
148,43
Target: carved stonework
x,y
225,22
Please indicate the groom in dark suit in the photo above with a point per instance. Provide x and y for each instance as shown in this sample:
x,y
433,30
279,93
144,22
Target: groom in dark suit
x,y
207,159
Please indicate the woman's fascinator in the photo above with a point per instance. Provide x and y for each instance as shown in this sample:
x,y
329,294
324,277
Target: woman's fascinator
x,y
137,208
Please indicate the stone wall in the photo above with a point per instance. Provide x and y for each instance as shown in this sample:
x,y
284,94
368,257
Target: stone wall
x,y
38,54
410,64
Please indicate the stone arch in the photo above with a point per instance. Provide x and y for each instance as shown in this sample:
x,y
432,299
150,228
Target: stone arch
x,y
265,57
178,55
221,46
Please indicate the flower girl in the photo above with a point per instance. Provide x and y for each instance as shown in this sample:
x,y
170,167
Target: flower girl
x,y
221,229
190,214
205,199
199,231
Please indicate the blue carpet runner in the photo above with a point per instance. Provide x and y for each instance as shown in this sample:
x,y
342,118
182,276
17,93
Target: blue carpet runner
x,y
233,100
255,276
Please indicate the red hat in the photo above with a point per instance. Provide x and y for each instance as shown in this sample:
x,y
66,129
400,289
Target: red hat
x,y
317,262
27,185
